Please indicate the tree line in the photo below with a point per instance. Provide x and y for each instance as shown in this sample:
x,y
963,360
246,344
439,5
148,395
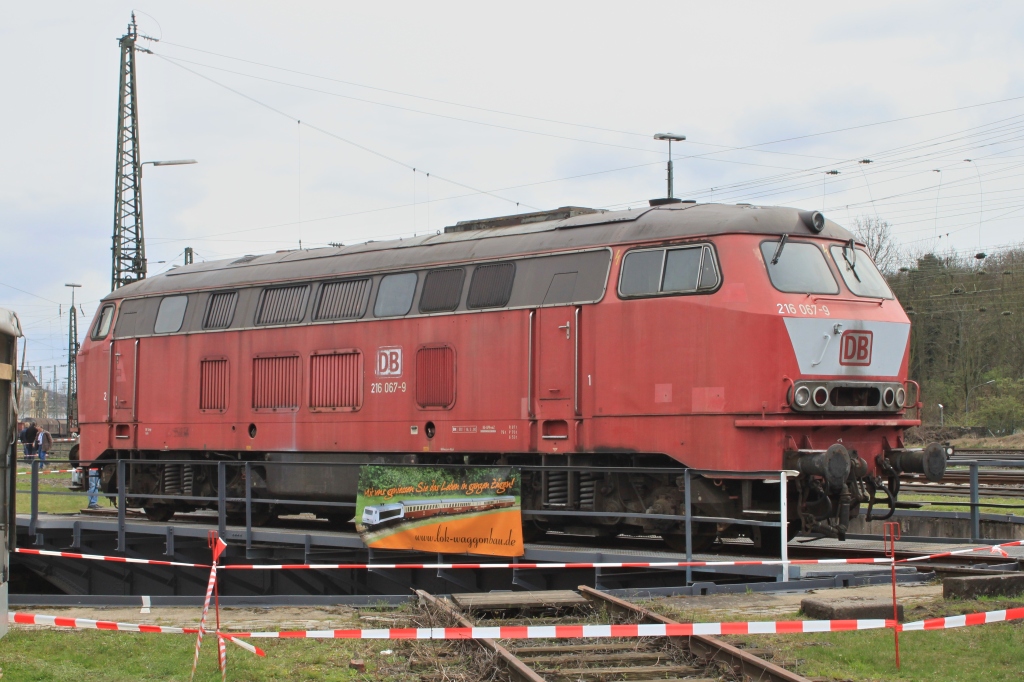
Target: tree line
x,y
967,326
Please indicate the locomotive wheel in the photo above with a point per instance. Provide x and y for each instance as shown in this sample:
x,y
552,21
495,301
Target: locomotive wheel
x,y
704,535
160,512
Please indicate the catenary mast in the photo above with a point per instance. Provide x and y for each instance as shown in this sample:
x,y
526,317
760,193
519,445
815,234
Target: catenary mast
x,y
129,249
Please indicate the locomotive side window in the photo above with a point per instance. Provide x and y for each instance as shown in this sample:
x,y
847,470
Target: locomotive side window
x,y
171,314
798,268
442,290
103,323
859,273
342,300
394,295
282,305
491,286
641,272
668,271
219,310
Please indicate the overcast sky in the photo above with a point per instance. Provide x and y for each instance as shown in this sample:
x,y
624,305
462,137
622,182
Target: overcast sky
x,y
509,107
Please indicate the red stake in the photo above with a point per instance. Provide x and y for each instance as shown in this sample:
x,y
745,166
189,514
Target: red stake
x,y
890,534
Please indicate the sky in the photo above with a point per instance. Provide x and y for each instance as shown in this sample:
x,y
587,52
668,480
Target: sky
x,y
308,118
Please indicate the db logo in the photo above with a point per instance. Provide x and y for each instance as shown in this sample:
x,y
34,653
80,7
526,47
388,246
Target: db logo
x,y
389,361
855,347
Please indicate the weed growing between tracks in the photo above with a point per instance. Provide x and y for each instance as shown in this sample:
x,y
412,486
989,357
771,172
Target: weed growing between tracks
x,y
949,503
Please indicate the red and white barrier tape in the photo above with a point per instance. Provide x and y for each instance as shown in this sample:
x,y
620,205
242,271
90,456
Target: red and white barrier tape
x,y
202,620
99,557
994,549
606,564
585,631
980,618
19,618
48,471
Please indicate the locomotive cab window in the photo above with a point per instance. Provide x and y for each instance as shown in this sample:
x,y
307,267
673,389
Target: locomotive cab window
x,y
102,327
652,272
394,296
860,274
798,267
170,315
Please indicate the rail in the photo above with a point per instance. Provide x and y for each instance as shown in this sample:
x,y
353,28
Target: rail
x,y
124,473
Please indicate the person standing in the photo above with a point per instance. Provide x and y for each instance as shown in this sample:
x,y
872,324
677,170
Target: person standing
x,y
44,443
28,440
94,488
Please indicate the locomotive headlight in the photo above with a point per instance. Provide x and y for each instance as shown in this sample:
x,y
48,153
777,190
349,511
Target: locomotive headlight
x,y
901,397
888,397
802,396
820,396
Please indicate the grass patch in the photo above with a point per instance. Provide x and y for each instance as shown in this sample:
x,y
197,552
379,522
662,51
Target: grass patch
x,y
984,653
54,504
949,503
72,656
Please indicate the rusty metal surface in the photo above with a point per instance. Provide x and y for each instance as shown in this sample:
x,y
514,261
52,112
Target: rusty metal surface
x,y
746,664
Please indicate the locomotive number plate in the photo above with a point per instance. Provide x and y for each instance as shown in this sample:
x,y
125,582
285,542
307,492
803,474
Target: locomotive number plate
x,y
802,309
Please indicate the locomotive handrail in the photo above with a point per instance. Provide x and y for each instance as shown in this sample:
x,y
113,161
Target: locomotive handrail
x,y
529,366
576,366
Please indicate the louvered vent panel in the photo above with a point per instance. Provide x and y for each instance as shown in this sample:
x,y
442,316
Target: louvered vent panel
x,y
220,310
442,290
342,300
282,305
335,381
491,286
213,384
435,377
275,383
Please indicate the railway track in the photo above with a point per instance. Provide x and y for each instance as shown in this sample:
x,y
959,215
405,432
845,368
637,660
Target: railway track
x,y
683,659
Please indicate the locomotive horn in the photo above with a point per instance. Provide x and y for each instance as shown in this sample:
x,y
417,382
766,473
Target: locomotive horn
x,y
930,461
814,220
833,465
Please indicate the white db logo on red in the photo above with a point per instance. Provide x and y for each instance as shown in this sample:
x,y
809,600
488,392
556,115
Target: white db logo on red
x,y
389,361
856,348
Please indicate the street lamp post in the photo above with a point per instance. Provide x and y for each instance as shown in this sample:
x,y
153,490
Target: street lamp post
x,y
942,416
967,408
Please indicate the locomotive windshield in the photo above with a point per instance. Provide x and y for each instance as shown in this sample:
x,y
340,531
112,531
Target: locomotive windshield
x,y
798,268
859,273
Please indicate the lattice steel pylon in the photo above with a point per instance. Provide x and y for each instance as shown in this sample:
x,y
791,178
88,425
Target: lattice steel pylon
x,y
129,247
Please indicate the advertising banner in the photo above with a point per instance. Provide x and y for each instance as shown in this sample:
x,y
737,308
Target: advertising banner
x,y
446,511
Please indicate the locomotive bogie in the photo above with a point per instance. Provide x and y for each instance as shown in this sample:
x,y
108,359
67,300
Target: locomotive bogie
x,y
703,336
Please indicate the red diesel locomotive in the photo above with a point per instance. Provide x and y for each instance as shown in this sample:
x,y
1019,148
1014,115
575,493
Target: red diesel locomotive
x,y
737,338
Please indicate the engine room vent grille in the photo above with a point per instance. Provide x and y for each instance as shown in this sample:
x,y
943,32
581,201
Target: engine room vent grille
x,y
220,310
442,290
213,384
435,377
282,305
342,300
275,382
491,286
336,381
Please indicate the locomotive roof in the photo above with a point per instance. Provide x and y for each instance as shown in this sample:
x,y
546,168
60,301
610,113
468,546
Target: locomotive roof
x,y
604,228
